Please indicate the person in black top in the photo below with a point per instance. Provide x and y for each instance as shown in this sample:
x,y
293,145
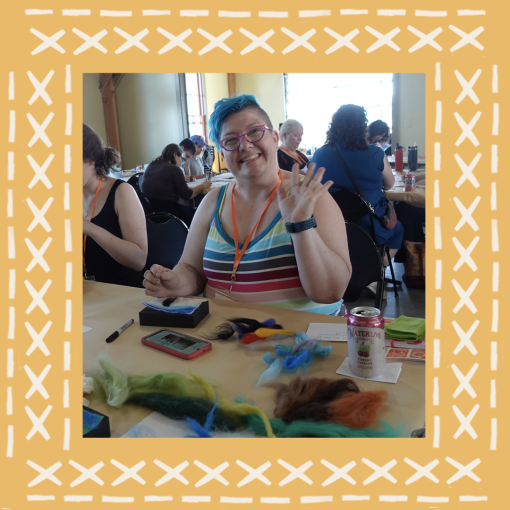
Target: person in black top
x,y
378,133
164,180
115,236
291,134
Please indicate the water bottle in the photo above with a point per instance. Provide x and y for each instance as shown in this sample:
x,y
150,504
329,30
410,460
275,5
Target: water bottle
x,y
412,158
399,159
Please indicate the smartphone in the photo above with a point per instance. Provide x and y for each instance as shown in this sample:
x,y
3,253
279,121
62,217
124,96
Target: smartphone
x,y
177,344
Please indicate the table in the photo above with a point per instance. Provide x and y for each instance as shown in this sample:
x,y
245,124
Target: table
x,y
217,181
237,366
415,198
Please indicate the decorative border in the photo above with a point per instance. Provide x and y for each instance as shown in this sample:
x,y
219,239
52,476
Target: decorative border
x,y
43,449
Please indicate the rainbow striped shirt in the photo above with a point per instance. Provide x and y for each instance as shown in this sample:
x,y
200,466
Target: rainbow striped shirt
x,y
267,274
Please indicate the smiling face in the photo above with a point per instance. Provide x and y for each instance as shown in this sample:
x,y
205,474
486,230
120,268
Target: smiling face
x,y
292,140
250,159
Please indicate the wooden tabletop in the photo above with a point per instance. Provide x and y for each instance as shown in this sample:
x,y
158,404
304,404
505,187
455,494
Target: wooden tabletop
x,y
233,365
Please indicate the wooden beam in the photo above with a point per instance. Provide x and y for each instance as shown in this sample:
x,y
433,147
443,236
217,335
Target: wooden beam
x,y
104,78
116,79
231,80
110,116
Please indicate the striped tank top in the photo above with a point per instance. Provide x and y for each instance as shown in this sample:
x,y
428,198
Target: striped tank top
x,y
267,274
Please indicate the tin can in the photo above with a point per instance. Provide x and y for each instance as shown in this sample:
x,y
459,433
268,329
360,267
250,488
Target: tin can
x,y
365,342
410,182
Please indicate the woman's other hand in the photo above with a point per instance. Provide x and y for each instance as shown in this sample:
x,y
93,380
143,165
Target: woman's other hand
x,y
160,282
300,204
207,184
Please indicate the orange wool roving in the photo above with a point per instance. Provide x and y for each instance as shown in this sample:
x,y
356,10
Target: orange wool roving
x,y
357,410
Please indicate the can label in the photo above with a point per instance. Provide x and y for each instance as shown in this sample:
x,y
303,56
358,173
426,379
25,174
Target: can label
x,y
410,182
367,351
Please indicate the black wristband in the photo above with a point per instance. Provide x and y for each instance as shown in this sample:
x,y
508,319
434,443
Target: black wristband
x,y
294,228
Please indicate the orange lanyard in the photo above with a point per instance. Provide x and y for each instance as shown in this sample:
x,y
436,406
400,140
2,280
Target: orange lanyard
x,y
239,254
90,217
299,159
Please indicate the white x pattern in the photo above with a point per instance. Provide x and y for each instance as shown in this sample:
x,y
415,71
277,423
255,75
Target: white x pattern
x,y
467,129
128,472
37,297
87,474
465,296
466,38
463,470
465,254
467,88
38,423
255,474
422,471
465,338
216,42
37,255
131,40
425,39
46,474
175,41
464,381
37,339
258,42
467,214
467,171
212,474
171,472
40,130
342,40
40,174
465,422
48,42
40,88
379,471
39,215
339,472
37,382
90,42
383,40
295,472
299,40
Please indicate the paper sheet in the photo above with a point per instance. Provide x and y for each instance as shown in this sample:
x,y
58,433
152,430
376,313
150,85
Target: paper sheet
x,y
391,372
327,332
85,329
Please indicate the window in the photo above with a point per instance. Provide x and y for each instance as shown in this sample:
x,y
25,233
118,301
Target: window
x,y
195,104
312,99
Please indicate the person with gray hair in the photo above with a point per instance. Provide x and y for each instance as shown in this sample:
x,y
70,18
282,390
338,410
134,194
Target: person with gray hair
x,y
291,134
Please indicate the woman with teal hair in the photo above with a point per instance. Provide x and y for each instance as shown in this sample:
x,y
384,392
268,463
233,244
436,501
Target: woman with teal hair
x,y
267,238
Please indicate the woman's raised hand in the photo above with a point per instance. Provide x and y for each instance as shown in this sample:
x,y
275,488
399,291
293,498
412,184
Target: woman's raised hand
x,y
160,282
300,204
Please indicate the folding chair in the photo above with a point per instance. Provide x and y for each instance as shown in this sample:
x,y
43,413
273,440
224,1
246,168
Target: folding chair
x,y
147,208
353,208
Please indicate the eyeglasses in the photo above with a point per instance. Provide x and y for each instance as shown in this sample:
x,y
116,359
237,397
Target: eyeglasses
x,y
255,134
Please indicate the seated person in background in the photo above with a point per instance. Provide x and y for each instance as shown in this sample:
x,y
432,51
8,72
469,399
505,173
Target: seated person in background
x,y
163,179
291,133
368,165
378,133
264,238
115,236
193,166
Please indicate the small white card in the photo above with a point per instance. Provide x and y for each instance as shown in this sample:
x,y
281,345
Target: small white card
x,y
327,332
391,372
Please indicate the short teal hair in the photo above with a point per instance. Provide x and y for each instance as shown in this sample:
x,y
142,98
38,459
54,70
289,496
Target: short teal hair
x,y
228,106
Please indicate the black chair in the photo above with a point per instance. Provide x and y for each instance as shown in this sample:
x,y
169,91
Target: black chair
x,y
147,208
354,207
166,237
184,213
366,262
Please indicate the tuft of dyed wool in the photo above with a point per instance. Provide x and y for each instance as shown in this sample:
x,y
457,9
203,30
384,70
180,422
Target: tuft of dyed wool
x,y
180,408
202,431
115,387
312,429
298,392
358,410
317,408
232,409
242,326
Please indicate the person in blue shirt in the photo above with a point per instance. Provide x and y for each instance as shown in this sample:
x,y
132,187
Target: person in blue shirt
x,y
367,163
